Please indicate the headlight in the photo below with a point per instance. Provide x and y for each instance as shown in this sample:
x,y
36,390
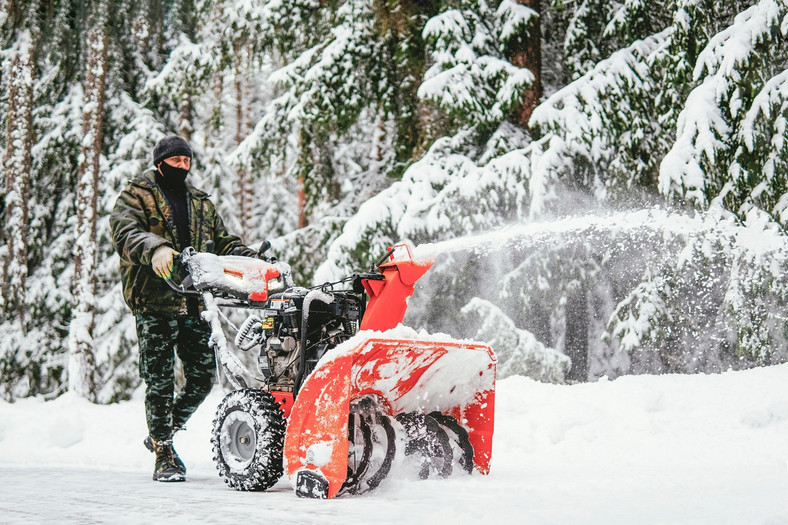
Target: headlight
x,y
276,284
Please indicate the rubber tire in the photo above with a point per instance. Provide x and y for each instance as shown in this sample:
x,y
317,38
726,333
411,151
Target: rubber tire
x,y
248,439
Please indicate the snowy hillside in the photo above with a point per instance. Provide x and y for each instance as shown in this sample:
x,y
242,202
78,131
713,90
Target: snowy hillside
x,y
646,449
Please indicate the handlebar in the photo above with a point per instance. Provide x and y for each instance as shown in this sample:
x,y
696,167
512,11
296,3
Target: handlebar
x,y
186,285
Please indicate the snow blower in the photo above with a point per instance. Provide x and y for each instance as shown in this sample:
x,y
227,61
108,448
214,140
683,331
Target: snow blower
x,y
343,394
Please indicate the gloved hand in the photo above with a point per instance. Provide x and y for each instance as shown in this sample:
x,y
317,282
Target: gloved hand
x,y
162,261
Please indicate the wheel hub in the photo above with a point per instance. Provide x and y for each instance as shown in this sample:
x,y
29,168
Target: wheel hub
x,y
239,440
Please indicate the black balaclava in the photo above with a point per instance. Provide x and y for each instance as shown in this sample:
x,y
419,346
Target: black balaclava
x,y
172,177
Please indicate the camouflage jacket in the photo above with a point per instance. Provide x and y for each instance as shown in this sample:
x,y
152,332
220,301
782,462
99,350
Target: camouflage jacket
x,y
142,221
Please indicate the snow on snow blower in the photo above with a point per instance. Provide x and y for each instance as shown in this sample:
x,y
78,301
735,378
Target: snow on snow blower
x,y
346,394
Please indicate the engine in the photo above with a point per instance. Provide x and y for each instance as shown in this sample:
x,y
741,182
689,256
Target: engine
x,y
295,329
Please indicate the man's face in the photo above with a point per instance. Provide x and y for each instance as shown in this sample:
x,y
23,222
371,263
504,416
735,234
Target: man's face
x,y
179,161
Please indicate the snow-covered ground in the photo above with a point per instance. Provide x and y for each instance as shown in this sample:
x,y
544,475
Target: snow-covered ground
x,y
640,449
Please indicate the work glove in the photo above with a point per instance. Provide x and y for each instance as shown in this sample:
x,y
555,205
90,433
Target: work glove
x,y
162,261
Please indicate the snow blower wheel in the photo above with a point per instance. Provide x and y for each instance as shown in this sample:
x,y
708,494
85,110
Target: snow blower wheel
x,y
359,451
383,452
248,440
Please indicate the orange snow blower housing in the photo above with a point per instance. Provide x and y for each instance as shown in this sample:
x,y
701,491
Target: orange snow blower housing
x,y
403,376
377,398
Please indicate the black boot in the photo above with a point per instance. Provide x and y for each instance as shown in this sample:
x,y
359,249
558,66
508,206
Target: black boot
x,y
166,468
178,463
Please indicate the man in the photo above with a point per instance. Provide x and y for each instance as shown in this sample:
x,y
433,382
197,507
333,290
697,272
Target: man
x,y
155,217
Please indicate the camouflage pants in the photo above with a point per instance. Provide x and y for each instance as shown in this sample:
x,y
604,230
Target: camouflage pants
x,y
160,337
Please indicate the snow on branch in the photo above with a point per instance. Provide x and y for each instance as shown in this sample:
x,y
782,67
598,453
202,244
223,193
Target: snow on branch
x,y
733,47
761,163
702,130
325,86
448,31
513,18
188,67
695,168
624,75
770,101
469,78
598,118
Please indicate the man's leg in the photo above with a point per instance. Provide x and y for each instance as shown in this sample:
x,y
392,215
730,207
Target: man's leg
x,y
157,335
199,367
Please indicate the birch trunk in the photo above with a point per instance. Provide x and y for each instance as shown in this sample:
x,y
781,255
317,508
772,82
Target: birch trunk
x,y
17,162
81,367
241,131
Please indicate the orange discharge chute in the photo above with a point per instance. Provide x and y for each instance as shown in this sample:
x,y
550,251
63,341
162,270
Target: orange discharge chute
x,y
405,372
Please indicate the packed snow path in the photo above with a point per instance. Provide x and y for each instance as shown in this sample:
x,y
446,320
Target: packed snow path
x,y
640,449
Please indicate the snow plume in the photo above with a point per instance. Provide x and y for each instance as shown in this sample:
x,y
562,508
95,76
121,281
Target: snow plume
x,y
539,233
628,292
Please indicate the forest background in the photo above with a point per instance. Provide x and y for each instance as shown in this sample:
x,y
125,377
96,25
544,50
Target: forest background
x,y
337,128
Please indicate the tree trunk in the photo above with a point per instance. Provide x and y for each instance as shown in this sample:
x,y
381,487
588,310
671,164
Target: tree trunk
x,y
17,163
301,189
185,115
241,127
301,203
576,339
525,51
81,369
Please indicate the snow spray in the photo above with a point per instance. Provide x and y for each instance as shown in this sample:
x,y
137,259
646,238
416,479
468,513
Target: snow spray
x,y
616,284
532,234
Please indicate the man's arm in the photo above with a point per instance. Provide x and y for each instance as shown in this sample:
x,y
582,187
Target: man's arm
x,y
130,235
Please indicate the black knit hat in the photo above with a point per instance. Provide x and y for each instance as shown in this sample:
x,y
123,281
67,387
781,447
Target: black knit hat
x,y
170,147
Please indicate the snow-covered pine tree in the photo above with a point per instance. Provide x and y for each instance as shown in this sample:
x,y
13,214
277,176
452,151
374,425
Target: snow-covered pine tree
x,y
476,88
36,362
345,118
731,70
604,135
